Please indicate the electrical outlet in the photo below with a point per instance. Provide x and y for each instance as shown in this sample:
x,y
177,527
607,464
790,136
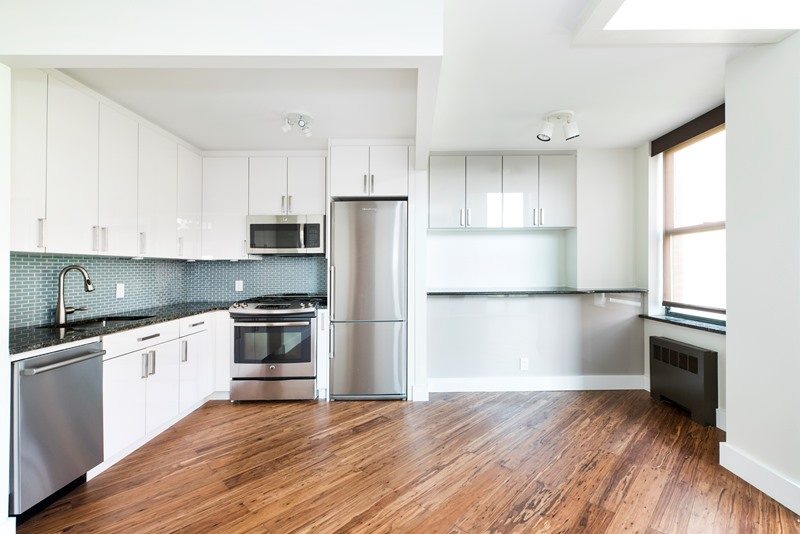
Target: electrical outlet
x,y
523,364
238,285
120,291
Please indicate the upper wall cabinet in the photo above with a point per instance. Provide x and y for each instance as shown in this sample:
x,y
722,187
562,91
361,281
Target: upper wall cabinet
x,y
190,203
293,185
118,183
225,205
28,159
508,191
72,163
363,171
158,195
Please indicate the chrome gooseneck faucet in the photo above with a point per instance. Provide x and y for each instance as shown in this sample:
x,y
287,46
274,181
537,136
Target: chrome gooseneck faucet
x,y
61,310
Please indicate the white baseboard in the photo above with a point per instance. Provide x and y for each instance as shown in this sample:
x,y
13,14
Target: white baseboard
x,y
780,488
419,394
220,395
536,383
721,419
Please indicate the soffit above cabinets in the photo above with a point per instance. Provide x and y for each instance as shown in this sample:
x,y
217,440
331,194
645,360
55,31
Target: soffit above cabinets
x,y
242,109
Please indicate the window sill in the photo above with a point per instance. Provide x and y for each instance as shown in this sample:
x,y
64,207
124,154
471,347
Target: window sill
x,y
688,323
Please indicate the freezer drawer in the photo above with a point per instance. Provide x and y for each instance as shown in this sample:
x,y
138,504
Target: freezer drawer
x,y
368,360
369,260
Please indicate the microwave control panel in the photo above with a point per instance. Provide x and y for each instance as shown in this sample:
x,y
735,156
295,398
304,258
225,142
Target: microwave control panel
x,y
312,236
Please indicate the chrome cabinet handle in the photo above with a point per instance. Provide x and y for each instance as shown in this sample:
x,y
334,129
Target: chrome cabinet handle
x,y
244,247
534,216
283,203
31,371
145,338
40,232
469,217
461,217
145,364
184,351
104,240
289,204
194,325
142,242
372,183
365,184
152,364
96,238
541,210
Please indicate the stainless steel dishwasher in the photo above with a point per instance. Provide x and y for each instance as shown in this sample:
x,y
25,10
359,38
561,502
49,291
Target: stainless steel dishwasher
x,y
56,422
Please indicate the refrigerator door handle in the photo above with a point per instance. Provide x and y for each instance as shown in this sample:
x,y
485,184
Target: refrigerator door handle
x,y
333,293
330,344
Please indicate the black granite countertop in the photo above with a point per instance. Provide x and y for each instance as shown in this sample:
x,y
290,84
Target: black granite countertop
x,y
29,338
554,290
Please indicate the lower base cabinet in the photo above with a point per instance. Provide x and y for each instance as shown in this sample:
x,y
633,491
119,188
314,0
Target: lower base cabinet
x,y
124,384
163,393
196,369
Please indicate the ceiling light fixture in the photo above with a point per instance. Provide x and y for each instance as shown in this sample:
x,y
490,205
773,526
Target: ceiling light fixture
x,y
570,125
301,120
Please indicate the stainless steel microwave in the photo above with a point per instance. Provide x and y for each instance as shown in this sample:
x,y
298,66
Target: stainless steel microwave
x,y
286,234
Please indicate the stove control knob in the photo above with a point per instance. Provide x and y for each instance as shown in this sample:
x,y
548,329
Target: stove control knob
x,y
271,367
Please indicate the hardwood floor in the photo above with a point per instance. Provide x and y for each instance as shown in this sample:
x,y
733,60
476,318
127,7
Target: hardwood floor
x,y
609,461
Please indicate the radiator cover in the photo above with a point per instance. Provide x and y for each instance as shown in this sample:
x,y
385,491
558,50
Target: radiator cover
x,y
685,375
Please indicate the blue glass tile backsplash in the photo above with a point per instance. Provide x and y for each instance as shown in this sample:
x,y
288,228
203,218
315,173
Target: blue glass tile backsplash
x,y
149,282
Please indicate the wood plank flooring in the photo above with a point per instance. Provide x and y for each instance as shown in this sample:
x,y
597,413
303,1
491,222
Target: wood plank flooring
x,y
613,461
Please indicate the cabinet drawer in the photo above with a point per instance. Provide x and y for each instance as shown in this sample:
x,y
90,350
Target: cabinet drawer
x,y
195,323
139,338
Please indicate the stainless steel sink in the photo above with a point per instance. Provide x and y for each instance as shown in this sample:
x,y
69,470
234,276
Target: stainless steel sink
x,y
98,322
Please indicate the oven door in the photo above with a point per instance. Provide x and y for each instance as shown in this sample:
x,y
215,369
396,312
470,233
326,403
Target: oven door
x,y
279,234
274,349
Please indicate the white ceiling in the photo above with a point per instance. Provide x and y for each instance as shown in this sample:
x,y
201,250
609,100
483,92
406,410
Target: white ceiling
x,y
507,63
241,109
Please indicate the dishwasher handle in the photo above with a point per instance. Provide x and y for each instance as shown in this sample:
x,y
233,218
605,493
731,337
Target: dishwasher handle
x,y
32,371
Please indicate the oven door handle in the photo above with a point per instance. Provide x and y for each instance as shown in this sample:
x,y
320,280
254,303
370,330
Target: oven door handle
x,y
295,323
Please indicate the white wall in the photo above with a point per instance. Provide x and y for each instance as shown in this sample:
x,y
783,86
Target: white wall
x,y
606,218
641,215
6,525
483,338
496,258
762,93
212,28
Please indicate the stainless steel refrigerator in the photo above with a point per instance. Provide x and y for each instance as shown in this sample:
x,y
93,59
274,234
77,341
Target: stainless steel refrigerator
x,y
368,299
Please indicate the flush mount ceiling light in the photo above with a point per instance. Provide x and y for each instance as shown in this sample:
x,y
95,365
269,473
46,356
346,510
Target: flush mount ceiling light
x,y
301,120
565,116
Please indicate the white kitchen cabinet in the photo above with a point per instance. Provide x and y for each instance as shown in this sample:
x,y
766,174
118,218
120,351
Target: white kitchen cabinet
x,y
158,195
349,171
520,191
484,192
363,171
196,369
163,385
190,203
124,400
557,191
28,159
225,205
267,185
447,185
305,185
72,163
388,169
118,183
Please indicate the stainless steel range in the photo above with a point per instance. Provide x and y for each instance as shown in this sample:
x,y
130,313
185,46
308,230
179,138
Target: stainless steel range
x,y
275,347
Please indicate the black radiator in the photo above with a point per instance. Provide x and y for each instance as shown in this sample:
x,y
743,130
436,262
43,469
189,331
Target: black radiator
x,y
685,375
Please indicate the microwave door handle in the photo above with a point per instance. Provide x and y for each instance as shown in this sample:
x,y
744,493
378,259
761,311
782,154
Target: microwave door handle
x,y
302,235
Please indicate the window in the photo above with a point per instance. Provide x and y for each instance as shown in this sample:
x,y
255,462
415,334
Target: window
x,y
694,226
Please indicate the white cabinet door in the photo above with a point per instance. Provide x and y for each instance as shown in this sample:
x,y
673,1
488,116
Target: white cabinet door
x,y
71,170
163,385
268,186
484,191
306,192
124,386
190,202
118,183
388,168
447,187
158,195
349,171
557,191
520,191
196,369
225,208
28,159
